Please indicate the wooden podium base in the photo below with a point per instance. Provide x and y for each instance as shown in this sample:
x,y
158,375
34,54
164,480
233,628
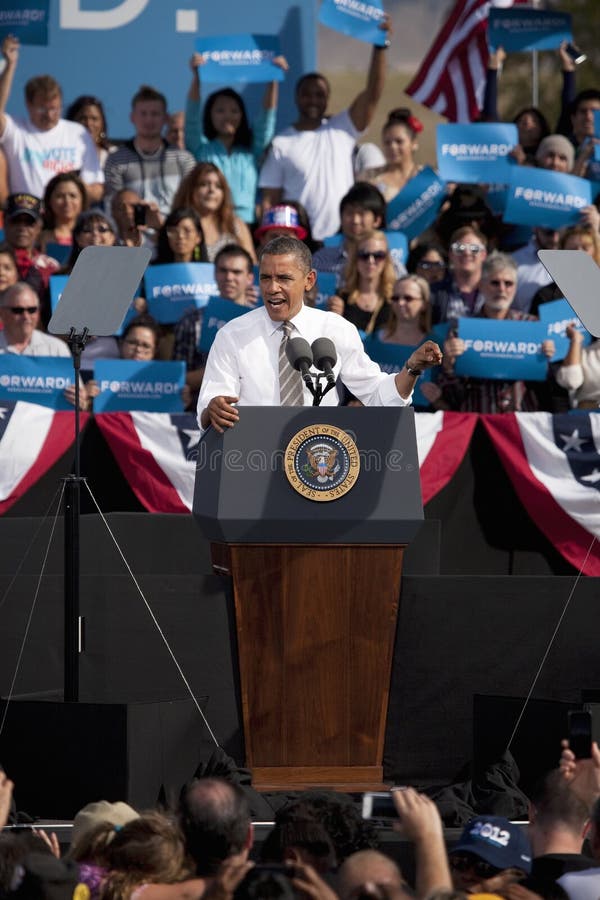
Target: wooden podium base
x,y
316,627
349,779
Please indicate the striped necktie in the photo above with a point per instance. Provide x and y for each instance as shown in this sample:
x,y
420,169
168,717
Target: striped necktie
x,y
291,389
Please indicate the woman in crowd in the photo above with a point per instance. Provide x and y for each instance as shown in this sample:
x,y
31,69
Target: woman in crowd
x,y
93,228
147,850
368,284
399,139
410,313
226,138
181,239
9,274
205,190
64,199
427,260
89,112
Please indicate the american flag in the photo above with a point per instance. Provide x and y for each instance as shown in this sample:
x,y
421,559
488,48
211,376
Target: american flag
x,y
451,79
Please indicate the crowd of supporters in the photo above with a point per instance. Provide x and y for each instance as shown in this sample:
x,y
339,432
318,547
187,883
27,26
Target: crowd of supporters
x,y
321,845
190,184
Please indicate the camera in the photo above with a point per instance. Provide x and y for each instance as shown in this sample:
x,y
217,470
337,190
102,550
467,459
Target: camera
x,y
139,213
575,53
580,733
378,805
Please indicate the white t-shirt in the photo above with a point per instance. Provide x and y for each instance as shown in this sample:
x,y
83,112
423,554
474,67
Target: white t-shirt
x,y
34,157
315,168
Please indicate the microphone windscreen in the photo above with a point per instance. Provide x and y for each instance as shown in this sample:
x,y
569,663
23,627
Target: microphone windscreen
x,y
323,350
298,351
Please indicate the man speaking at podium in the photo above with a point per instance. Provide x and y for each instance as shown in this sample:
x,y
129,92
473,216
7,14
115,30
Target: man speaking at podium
x,y
248,364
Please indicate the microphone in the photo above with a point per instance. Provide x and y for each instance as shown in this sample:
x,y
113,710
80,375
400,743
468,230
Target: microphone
x,y
300,357
325,357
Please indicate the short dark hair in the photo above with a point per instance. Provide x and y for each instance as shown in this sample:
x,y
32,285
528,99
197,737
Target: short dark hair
x,y
144,320
312,76
214,816
243,133
555,801
145,93
230,250
368,197
281,246
581,97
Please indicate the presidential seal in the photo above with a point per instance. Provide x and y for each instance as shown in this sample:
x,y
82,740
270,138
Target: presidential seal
x,y
322,462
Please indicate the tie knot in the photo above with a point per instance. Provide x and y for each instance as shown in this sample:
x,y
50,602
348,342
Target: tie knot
x,y
286,327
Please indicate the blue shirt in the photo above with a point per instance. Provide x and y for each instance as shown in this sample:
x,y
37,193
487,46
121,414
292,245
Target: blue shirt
x,y
240,165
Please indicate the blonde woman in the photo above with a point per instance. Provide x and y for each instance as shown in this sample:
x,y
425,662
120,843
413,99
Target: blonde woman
x,y
368,284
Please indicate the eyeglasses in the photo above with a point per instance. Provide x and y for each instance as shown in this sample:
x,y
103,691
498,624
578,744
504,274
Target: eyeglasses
x,y
425,264
21,310
457,247
406,297
100,229
496,282
377,255
479,867
140,345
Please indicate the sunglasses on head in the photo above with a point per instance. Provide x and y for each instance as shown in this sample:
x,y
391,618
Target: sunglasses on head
x,y
378,255
467,863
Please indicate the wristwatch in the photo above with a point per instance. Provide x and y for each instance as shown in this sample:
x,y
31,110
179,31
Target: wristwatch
x,y
414,372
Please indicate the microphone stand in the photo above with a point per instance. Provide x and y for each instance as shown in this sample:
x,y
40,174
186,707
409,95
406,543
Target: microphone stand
x,y
72,646
318,391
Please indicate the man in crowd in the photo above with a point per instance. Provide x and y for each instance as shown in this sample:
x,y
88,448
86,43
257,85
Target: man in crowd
x,y
248,365
40,147
20,315
362,210
234,276
22,227
491,854
458,294
215,820
558,821
531,273
312,160
147,164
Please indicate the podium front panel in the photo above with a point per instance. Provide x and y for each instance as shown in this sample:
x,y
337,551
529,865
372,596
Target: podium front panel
x,y
243,494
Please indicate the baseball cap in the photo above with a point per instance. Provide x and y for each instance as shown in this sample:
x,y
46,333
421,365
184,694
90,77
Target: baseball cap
x,y
497,841
23,204
281,216
115,814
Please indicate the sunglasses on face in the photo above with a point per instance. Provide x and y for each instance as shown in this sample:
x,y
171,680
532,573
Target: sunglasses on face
x,y
479,867
458,247
101,229
407,297
21,310
431,265
377,255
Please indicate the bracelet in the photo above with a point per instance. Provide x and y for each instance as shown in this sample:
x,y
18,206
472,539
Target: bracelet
x,y
414,372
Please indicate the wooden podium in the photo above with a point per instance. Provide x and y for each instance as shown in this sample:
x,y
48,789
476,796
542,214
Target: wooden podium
x,y
316,587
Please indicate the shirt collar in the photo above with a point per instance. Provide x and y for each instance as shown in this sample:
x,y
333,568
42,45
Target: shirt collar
x,y
298,321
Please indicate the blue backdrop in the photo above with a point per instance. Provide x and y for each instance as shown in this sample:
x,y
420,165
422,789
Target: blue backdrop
x,y
111,47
